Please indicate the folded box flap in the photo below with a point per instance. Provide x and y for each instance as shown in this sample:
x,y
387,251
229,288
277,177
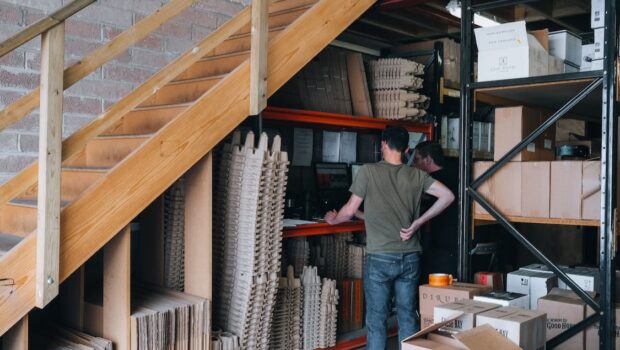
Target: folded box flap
x,y
431,328
485,338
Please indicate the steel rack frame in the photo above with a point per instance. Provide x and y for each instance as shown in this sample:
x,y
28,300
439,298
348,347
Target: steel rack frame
x,y
604,312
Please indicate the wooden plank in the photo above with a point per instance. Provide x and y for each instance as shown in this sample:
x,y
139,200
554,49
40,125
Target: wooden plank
x,y
93,319
151,258
106,151
80,138
42,25
215,65
279,19
18,220
94,218
147,120
17,337
72,300
258,57
96,59
117,289
73,183
242,42
50,141
181,91
483,218
198,229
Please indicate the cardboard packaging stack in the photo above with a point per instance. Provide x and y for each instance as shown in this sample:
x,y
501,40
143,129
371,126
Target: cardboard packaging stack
x,y
535,284
224,341
54,337
462,313
393,84
319,310
431,296
287,316
174,236
247,228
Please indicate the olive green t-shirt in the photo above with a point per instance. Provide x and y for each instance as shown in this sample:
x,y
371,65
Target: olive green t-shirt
x,y
391,196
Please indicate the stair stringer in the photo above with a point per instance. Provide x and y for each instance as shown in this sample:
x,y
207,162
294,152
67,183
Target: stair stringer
x,y
89,222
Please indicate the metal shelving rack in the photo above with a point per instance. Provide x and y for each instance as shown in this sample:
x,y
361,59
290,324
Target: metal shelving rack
x,y
604,307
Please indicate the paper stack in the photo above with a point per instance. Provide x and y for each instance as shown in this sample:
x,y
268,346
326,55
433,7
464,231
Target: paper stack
x,y
224,341
329,314
287,327
393,85
58,338
312,307
248,224
174,236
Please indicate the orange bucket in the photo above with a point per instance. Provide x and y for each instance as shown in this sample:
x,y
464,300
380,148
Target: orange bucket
x,y
440,279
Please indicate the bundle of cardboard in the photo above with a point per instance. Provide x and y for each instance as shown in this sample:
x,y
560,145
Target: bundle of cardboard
x,y
247,230
58,338
320,310
286,328
174,236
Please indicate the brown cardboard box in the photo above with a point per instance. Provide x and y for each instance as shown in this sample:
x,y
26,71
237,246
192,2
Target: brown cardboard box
x,y
592,339
535,187
487,188
566,179
524,327
431,296
507,185
426,320
463,313
591,190
565,127
564,309
478,338
512,124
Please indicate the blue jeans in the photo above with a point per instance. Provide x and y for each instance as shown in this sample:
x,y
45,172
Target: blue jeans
x,y
387,275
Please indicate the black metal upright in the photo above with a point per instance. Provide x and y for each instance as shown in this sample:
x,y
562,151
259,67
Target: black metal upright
x,y
465,157
604,308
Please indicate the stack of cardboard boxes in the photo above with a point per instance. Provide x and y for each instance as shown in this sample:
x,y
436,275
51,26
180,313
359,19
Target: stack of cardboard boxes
x,y
532,184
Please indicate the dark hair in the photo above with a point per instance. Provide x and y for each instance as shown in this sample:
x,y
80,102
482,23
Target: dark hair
x,y
396,137
433,149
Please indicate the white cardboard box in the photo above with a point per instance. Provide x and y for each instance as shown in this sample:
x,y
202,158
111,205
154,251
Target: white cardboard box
x,y
486,138
566,46
507,51
585,277
518,300
597,65
527,328
599,40
477,136
465,312
444,132
587,55
536,284
597,16
453,133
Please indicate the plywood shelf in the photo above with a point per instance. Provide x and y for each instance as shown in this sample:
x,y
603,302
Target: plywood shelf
x,y
322,228
304,117
482,155
481,219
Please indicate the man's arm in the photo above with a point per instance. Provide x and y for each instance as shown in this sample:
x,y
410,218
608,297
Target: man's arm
x,y
444,198
346,212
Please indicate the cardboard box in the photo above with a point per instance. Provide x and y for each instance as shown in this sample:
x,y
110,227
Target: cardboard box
x,y
462,313
451,57
512,124
587,55
426,320
564,309
443,140
527,328
535,268
535,284
597,65
597,14
517,300
585,277
566,179
453,133
569,129
507,51
591,190
495,280
507,185
486,142
565,46
592,339
476,135
599,44
535,187
556,65
431,296
487,189
478,338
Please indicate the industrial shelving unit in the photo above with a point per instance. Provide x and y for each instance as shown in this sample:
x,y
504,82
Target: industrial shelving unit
x,y
583,87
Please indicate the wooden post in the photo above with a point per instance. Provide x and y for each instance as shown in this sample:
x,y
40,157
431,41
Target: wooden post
x,y
117,289
199,232
50,147
17,337
258,57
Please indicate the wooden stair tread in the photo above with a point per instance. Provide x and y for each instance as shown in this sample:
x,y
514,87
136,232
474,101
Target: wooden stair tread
x,y
124,136
8,241
32,203
86,169
166,106
196,80
248,34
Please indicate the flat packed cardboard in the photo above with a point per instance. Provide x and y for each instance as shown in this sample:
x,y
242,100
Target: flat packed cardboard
x,y
512,124
517,300
487,189
564,309
591,190
479,338
535,284
566,178
507,184
535,187
507,51
432,296
462,313
527,328
566,46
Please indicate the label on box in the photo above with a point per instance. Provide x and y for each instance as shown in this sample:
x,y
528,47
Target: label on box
x,y
531,147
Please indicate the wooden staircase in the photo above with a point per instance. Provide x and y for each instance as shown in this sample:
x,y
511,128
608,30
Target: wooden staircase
x,y
121,170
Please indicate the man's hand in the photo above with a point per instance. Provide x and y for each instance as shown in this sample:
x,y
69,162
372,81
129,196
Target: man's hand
x,y
330,216
407,233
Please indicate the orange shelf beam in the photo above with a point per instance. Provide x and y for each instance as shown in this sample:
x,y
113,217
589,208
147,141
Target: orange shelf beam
x,y
298,116
322,228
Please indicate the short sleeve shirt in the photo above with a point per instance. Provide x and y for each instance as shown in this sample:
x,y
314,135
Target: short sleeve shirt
x,y
392,195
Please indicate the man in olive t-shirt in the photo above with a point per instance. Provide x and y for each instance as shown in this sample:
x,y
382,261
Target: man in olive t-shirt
x,y
392,193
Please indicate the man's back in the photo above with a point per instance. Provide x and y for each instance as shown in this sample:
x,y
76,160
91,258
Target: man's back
x,y
391,196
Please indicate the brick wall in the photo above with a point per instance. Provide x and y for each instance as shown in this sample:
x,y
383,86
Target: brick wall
x,y
84,32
